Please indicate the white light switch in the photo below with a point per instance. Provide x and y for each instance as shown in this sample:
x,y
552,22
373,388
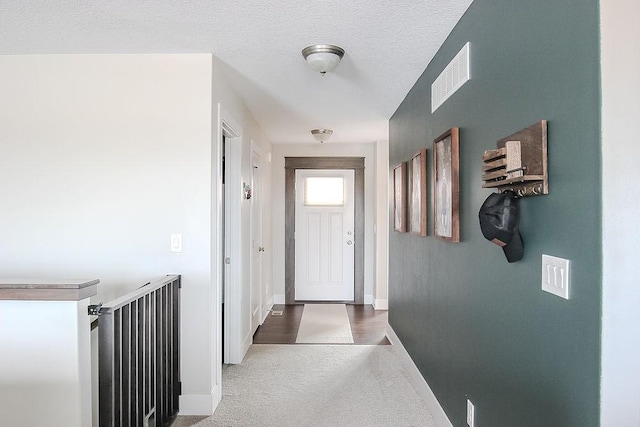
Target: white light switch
x,y
176,243
471,413
555,276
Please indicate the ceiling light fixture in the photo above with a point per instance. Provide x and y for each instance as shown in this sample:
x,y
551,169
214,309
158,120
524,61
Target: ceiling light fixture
x,y
321,135
323,57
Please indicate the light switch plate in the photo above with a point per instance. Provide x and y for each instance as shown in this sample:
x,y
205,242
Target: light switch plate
x,y
176,243
555,275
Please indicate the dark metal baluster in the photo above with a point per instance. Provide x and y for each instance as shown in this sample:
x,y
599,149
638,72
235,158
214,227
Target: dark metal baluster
x,y
165,355
106,369
147,354
133,346
159,364
140,362
176,347
126,363
139,351
152,357
170,341
117,371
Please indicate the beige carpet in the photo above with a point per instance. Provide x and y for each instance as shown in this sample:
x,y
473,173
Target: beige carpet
x,y
324,324
317,385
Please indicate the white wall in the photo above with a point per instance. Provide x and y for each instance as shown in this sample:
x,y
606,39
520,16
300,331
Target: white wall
x,y
102,157
368,151
34,337
226,98
620,388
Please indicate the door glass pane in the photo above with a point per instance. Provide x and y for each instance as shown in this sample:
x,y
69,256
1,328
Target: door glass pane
x,y
324,191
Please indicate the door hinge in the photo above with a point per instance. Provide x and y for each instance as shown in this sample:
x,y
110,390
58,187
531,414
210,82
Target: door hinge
x,y
227,260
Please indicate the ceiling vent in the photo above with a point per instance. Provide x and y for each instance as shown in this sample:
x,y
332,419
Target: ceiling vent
x,y
451,79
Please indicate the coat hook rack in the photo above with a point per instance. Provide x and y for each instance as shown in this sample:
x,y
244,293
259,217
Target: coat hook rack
x,y
519,163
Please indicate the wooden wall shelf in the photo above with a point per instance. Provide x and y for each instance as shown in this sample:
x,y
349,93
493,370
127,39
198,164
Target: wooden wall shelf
x,y
519,163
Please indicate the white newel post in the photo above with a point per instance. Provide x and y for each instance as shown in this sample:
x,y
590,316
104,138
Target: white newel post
x,y
45,352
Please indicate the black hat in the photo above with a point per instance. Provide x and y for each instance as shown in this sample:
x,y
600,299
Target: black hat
x,y
499,216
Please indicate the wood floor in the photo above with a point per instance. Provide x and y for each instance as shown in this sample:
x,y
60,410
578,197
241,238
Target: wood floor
x,y
368,326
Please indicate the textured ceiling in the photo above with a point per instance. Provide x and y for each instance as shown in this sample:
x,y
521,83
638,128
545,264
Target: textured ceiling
x,y
388,45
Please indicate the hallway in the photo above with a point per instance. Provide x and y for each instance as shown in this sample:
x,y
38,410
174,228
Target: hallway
x,y
279,384
368,326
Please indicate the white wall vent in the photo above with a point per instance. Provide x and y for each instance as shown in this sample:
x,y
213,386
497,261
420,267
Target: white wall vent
x,y
456,74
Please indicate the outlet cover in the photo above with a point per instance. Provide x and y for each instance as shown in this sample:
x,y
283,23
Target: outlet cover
x,y
555,275
471,413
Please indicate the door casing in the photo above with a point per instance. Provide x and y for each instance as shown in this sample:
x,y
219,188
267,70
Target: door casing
x,y
357,165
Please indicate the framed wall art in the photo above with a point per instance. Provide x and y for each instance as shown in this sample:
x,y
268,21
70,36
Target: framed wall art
x,y
418,193
446,199
400,197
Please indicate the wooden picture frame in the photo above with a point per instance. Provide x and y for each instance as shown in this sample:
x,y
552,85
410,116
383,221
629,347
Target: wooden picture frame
x,y
446,189
418,194
400,198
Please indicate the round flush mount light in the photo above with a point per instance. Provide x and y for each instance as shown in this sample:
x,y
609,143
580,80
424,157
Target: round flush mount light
x,y
321,135
323,57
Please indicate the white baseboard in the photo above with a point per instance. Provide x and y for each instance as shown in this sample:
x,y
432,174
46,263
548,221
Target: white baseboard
x,y
279,299
381,304
200,404
266,309
419,382
368,299
245,346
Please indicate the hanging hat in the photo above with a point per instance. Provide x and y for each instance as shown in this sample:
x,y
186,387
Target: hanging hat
x,y
499,217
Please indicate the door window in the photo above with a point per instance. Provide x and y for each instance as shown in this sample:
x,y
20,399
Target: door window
x,y
324,191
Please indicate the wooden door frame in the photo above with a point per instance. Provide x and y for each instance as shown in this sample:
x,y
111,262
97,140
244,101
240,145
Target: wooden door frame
x,y
291,164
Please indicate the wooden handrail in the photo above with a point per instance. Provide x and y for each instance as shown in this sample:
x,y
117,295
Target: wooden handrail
x,y
47,290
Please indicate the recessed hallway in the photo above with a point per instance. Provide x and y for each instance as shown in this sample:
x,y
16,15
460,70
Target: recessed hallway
x,y
368,326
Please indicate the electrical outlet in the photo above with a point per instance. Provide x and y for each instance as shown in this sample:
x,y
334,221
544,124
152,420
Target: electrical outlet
x,y
555,276
471,413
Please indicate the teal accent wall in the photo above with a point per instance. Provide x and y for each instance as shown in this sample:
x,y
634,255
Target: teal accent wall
x,y
476,326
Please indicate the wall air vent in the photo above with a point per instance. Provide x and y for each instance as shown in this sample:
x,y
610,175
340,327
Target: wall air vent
x,y
456,74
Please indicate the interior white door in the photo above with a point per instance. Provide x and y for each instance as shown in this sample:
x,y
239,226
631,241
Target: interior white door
x,y
324,235
256,242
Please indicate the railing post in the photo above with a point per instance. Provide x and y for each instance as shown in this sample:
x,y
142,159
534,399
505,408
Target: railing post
x,y
45,353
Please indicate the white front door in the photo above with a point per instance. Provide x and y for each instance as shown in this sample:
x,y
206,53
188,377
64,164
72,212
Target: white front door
x,y
324,235
256,242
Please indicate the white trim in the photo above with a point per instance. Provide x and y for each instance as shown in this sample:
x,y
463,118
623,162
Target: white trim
x,y
235,349
620,341
256,240
267,308
200,404
279,299
244,347
381,304
439,416
215,323
368,299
